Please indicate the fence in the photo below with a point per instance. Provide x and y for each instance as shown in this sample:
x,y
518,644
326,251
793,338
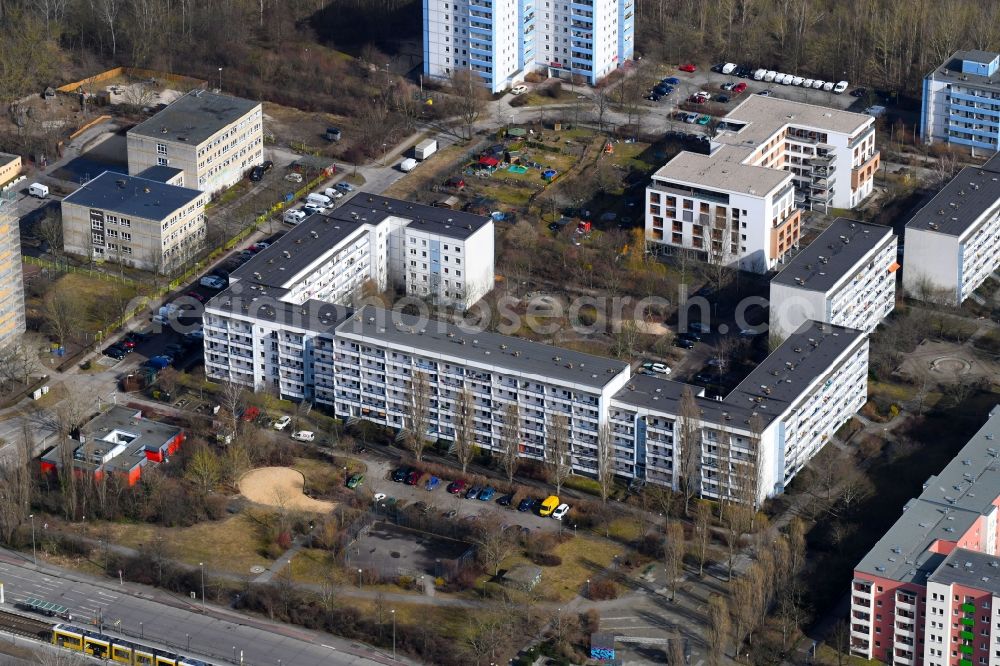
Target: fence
x,y
137,72
69,268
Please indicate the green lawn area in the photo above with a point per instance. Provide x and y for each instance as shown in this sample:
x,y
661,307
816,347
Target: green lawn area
x,y
94,295
827,655
317,566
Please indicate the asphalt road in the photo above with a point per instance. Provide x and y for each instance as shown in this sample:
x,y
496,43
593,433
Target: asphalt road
x,y
161,618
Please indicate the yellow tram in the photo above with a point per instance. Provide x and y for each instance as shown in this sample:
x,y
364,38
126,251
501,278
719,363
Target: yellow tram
x,y
117,650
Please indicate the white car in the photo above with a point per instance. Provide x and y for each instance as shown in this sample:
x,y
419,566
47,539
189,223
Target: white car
x,y
304,436
797,80
333,193
312,209
828,86
560,511
519,89
660,368
282,422
818,83
769,75
293,217
787,81
840,87
378,497
808,83
702,93
293,177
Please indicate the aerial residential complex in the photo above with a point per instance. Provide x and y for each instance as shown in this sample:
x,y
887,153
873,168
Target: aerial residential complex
x,y
953,242
961,101
741,205
214,139
12,321
10,168
503,40
845,277
291,320
928,593
136,221
119,441
424,252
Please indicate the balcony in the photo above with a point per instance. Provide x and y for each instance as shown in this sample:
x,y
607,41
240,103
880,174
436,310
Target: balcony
x,y
866,170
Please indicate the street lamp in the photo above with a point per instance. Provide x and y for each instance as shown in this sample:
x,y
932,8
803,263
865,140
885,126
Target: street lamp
x,y
393,611
140,630
359,579
202,565
588,588
34,558
384,151
220,79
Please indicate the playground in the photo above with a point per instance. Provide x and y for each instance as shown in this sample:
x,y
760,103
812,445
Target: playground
x,y
280,487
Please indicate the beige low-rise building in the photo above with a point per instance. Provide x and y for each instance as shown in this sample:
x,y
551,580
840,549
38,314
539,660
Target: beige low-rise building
x,y
140,222
214,139
10,167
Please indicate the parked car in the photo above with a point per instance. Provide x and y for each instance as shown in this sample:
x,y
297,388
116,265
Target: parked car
x,y
344,186
486,494
728,86
683,343
116,352
257,174
808,83
432,483
671,81
722,99
704,120
401,473
549,504
196,296
527,504
506,500
717,362
158,362
560,511
818,83
739,88
414,477
456,486
293,216
797,80
304,436
355,481
840,87
519,89
688,67
859,92
765,93
653,97
699,327
658,368
690,117
473,492
312,209
828,86
293,177
282,422
691,335
212,282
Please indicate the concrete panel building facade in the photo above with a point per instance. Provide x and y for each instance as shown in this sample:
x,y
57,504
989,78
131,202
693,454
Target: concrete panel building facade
x,y
12,323
847,277
952,244
214,139
961,101
136,221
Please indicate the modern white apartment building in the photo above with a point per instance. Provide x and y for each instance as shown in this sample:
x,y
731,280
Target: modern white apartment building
x,y
961,101
741,205
927,593
789,406
214,139
952,244
136,221
287,291
502,40
847,277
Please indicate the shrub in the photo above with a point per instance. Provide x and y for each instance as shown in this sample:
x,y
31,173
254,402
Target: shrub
x,y
534,77
583,484
554,90
602,589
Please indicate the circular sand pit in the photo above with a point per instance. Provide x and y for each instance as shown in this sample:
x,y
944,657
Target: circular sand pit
x,y
280,487
951,365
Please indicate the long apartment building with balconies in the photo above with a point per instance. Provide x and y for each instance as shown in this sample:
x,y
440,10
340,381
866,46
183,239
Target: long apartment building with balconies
x,y
503,40
259,331
12,320
952,244
927,593
961,101
789,406
847,277
741,204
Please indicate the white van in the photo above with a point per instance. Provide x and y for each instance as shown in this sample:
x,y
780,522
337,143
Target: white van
x,y
293,216
728,68
409,164
759,74
769,75
38,190
318,199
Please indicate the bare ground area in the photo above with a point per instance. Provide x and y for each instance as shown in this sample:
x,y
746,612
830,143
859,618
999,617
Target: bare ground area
x,y
280,487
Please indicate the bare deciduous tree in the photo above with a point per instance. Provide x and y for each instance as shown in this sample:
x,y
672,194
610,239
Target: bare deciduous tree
x,y
204,469
605,461
465,428
470,96
510,440
702,533
493,543
418,413
719,628
673,556
557,450
63,315
689,431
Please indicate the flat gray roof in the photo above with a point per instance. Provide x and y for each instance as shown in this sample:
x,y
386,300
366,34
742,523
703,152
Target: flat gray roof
x,y
833,254
438,338
317,234
263,302
133,196
160,173
7,158
969,568
962,202
950,71
949,505
194,117
767,391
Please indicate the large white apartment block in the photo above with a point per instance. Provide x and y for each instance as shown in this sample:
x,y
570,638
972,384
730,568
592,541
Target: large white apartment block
x,y
741,204
424,252
952,244
214,139
847,277
135,221
502,40
961,101
791,404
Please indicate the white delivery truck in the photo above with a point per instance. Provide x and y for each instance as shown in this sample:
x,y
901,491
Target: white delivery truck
x,y
38,190
425,149
407,165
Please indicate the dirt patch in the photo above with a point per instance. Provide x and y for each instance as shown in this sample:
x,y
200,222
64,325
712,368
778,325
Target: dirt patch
x,y
280,487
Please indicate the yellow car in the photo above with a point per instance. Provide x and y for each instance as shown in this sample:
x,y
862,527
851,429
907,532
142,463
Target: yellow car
x,y
548,506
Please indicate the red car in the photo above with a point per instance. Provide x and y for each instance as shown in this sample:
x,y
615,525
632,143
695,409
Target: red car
x,y
688,67
739,87
196,296
697,99
456,487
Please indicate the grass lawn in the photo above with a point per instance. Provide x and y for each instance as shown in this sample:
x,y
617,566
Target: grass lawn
x,y
624,529
316,566
95,296
448,620
895,392
582,557
827,655
227,545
